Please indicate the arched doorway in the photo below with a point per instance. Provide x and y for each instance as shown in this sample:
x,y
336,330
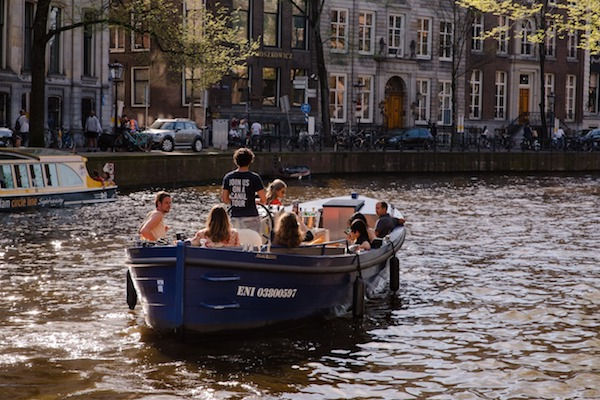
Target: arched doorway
x,y
393,111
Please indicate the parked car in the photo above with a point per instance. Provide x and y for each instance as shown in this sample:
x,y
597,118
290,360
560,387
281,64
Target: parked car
x,y
168,134
5,137
591,140
410,138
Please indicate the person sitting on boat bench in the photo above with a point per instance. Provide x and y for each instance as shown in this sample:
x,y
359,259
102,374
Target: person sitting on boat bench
x,y
358,233
361,217
240,188
153,228
287,232
386,223
218,231
276,192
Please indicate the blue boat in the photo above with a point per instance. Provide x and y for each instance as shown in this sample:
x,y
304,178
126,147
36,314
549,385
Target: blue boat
x,y
207,290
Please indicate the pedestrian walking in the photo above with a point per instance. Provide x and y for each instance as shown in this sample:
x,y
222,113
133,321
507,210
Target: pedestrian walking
x,y
92,130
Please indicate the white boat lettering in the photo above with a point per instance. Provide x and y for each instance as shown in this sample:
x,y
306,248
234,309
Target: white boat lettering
x,y
4,203
160,283
271,293
51,201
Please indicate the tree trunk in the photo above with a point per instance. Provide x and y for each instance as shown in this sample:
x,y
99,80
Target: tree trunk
x,y
321,68
38,75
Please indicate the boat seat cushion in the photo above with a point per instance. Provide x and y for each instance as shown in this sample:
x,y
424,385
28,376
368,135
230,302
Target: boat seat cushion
x,y
249,237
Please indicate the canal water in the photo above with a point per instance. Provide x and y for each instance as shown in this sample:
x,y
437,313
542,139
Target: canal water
x,y
499,299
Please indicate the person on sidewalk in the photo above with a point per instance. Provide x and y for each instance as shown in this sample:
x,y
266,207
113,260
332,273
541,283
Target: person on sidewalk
x,y
153,228
240,188
22,127
92,130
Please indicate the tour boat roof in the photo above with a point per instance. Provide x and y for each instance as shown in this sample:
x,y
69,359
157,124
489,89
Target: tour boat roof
x,y
39,154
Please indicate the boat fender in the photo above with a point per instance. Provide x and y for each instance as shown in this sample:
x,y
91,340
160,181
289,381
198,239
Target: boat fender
x,y
358,299
394,274
131,293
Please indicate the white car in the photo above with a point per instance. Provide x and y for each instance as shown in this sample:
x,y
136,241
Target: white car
x,y
5,137
168,134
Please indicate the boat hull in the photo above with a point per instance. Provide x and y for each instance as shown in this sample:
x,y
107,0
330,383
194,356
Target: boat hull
x,y
212,290
19,202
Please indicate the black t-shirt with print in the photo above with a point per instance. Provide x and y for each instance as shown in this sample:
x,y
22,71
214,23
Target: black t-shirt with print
x,y
242,187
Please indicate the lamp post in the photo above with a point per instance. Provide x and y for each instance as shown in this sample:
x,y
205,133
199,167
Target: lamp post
x,y
116,73
551,106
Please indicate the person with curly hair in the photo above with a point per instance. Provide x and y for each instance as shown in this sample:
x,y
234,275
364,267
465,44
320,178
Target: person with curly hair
x,y
218,231
287,232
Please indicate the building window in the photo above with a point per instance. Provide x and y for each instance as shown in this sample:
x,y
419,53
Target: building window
x,y
446,40
526,33
54,20
297,94
2,33
299,31
550,40
140,85
476,32
502,35
500,106
396,35
271,23
240,84
139,41
88,45
366,32
423,94
424,38
549,90
270,86
337,97
339,30
191,87
571,45
445,102
570,103
241,17
592,94
364,102
5,109
475,94
28,35
117,39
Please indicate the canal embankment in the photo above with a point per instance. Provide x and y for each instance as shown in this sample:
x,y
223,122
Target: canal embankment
x,y
183,168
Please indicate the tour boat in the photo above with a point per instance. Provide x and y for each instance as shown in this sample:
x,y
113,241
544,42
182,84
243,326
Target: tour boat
x,y
207,290
38,177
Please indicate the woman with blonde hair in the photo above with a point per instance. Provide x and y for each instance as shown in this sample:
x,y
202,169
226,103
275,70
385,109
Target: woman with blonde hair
x,y
276,192
218,231
287,233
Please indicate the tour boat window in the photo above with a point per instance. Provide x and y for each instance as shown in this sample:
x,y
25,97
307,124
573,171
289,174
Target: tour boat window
x,y
6,177
37,179
51,175
21,176
68,177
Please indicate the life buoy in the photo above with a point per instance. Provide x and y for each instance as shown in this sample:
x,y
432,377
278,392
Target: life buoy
x,y
394,274
358,298
131,293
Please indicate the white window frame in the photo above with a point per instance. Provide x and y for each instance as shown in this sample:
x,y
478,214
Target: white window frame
x,y
365,93
500,98
368,32
475,86
423,50
550,40
445,97
133,104
526,47
570,97
476,32
116,30
503,36
133,36
335,29
446,39
344,92
549,81
396,49
423,101
184,96
571,46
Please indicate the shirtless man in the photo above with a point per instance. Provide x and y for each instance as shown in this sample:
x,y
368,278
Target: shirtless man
x,y
153,228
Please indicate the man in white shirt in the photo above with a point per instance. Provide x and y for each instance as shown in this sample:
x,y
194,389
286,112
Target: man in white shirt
x,y
22,127
92,130
256,130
